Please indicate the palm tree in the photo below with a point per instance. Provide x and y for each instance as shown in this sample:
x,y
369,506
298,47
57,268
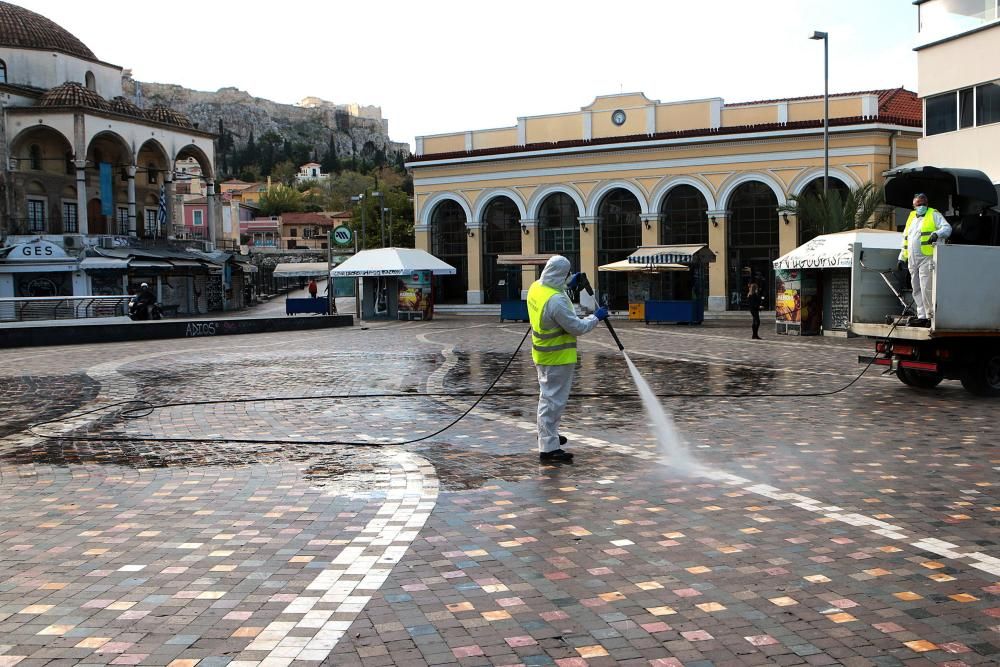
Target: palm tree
x,y
834,211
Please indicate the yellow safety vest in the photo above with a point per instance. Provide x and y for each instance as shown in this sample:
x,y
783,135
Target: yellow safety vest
x,y
549,347
927,227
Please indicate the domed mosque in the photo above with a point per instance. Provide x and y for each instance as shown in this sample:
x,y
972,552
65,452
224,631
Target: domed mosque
x,y
86,169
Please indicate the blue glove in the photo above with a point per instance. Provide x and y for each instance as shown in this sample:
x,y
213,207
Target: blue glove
x,y
574,281
601,313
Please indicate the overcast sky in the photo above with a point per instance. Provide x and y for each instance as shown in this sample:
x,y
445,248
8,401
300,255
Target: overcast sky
x,y
446,66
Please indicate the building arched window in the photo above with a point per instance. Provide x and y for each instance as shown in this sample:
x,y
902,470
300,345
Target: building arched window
x,y
619,233
90,82
3,72
449,244
683,220
808,228
559,228
501,236
35,157
753,241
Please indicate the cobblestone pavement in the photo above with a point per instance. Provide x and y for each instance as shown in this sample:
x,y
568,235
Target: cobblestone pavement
x,y
857,528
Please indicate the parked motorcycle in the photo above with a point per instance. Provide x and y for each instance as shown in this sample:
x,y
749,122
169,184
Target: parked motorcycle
x,y
140,311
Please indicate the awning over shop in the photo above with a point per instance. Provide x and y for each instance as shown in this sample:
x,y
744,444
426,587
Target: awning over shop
x,y
189,263
832,251
391,262
523,260
625,265
672,254
246,267
149,264
105,263
37,267
300,270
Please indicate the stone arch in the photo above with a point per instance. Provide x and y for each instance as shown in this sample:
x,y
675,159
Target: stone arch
x,y
427,210
542,193
151,156
54,145
727,189
598,194
664,187
106,140
488,196
199,155
845,176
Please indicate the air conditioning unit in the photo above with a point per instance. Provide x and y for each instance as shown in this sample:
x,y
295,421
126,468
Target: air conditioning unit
x,y
106,242
72,242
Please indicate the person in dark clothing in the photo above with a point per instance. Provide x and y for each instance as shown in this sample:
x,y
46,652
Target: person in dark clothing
x,y
755,301
313,288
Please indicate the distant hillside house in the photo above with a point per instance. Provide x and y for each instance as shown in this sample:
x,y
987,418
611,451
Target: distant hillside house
x,y
311,171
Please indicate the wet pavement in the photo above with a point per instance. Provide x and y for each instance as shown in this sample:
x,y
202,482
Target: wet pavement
x,y
851,528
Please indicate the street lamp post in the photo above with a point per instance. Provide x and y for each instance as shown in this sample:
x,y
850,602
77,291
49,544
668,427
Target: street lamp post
x,y
386,209
360,200
826,106
381,201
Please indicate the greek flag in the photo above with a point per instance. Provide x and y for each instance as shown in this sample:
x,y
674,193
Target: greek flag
x,y
161,214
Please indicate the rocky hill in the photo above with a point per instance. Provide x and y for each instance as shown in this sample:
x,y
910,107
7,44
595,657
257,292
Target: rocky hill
x,y
243,115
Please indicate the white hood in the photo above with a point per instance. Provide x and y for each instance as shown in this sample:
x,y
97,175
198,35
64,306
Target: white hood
x,y
556,272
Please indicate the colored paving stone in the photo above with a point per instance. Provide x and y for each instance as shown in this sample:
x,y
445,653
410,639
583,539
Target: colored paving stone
x,y
858,528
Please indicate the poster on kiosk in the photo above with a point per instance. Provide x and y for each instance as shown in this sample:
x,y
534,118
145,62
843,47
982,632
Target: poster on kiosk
x,y
415,294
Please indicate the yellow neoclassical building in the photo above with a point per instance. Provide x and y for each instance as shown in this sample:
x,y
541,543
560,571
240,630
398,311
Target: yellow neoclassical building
x,y
626,171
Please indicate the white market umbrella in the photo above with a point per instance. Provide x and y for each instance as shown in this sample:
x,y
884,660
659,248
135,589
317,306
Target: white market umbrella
x,y
832,251
384,262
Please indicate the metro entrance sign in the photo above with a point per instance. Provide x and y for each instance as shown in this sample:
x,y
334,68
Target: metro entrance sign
x,y
342,235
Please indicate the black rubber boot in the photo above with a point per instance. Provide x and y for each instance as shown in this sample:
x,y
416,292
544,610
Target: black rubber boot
x,y
555,456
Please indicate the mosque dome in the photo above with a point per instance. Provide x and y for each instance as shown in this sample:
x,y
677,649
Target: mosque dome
x,y
122,105
162,114
73,94
21,28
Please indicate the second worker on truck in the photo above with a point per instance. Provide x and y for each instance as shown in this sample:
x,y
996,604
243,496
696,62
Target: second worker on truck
x,y
924,228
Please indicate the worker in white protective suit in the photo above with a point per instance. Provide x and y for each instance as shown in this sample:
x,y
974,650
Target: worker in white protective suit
x,y
554,328
924,228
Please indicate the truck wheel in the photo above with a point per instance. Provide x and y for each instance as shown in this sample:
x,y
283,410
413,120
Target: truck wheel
x,y
982,378
918,379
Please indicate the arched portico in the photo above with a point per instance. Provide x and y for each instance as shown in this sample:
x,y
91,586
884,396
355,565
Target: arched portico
x,y
664,187
602,190
487,197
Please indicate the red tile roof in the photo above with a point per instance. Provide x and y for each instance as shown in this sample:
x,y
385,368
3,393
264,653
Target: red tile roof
x,y
305,219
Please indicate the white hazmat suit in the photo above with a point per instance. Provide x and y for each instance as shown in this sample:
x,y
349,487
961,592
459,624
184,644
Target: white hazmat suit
x,y
555,382
921,266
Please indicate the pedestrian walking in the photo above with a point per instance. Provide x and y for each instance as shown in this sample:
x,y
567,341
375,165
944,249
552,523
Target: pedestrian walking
x,y
754,301
313,288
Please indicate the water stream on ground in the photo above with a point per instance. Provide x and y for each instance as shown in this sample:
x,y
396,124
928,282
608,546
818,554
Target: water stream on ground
x,y
673,448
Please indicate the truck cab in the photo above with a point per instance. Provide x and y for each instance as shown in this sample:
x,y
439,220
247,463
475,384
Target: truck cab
x,y
963,339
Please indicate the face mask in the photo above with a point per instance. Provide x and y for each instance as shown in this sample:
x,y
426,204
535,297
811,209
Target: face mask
x,y
921,209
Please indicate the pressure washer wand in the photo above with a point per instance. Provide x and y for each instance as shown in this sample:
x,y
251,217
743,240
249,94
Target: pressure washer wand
x,y
585,284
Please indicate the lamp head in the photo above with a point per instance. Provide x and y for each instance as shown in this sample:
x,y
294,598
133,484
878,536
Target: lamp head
x,y
818,35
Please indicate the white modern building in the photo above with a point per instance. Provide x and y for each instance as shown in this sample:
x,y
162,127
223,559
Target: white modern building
x,y
958,60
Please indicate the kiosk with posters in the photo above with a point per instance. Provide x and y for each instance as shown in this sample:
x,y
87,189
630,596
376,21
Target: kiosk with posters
x,y
391,277
666,282
813,282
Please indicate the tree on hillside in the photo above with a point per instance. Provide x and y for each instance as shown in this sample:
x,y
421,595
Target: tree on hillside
x,y
831,212
284,172
330,162
280,199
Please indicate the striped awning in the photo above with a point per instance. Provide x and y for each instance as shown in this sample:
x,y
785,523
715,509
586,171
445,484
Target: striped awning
x,y
672,254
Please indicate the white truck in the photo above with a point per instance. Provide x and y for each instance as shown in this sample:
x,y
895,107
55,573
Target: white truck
x,y
963,339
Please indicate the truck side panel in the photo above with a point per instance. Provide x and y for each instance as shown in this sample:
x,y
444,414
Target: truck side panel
x,y
967,288
871,299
